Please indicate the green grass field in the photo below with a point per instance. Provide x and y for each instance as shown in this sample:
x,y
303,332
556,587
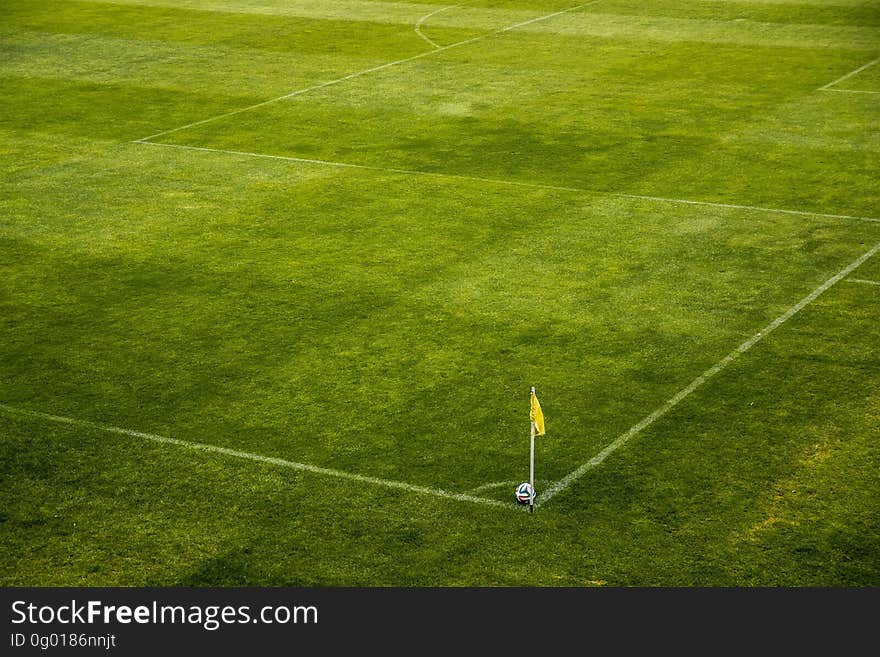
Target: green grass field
x,y
276,277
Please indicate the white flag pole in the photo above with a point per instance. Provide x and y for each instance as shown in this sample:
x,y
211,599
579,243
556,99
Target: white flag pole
x,y
532,461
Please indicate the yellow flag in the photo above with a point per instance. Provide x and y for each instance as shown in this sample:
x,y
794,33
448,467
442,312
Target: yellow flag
x,y
536,415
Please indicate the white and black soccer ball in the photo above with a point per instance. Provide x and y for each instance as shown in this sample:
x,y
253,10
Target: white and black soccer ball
x,y
524,493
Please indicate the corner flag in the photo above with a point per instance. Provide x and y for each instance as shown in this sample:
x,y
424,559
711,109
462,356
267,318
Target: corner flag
x,y
536,415
535,426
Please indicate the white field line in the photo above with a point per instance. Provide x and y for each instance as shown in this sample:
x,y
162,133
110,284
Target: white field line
x,y
501,181
862,280
748,207
852,91
387,483
357,74
849,75
685,392
367,167
421,21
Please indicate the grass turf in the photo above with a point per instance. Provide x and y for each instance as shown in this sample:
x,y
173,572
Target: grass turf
x,y
368,276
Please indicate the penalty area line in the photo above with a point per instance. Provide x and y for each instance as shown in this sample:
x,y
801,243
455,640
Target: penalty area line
x,y
367,167
685,392
756,208
270,460
852,91
501,181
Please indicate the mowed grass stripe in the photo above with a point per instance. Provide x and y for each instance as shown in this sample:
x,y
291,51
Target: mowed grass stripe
x,y
795,12
814,25
188,68
98,109
745,33
369,11
820,122
176,25
481,15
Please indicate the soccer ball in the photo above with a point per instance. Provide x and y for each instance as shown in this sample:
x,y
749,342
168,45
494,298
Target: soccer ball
x,y
524,493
